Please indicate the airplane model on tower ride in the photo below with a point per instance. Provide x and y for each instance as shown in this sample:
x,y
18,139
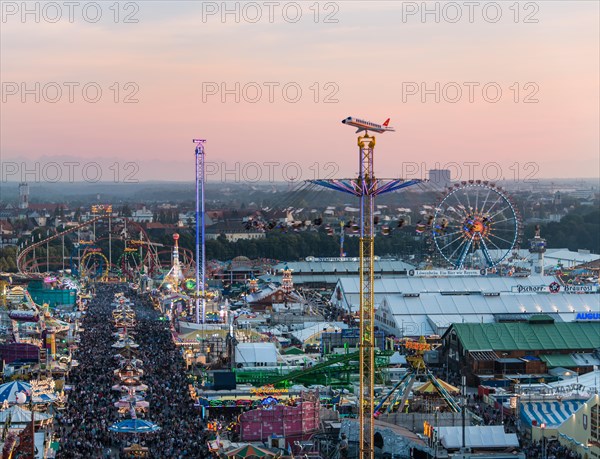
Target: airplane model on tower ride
x,y
363,125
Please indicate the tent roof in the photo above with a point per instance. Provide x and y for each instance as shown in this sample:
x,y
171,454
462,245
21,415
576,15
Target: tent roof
x,y
10,390
589,381
134,426
558,360
429,388
526,336
293,350
551,413
477,437
20,415
255,352
397,359
317,329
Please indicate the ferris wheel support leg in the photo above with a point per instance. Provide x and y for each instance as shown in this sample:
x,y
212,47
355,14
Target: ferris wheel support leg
x,y
463,255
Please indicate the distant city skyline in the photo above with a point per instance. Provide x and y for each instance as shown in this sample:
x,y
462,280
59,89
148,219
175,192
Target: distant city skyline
x,y
536,118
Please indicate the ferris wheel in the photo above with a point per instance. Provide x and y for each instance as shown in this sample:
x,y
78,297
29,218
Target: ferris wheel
x,y
475,225
93,265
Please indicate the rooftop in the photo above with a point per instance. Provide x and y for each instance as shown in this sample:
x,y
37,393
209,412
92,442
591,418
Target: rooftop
x,y
342,266
527,336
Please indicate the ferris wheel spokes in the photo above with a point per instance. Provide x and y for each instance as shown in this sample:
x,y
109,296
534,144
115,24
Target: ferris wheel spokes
x,y
465,231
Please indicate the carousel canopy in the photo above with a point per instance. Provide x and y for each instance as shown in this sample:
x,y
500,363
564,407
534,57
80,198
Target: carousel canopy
x,y
138,426
9,391
127,404
125,361
132,397
123,388
20,415
126,343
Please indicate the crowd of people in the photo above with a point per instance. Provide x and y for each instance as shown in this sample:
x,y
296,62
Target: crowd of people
x,y
83,426
554,450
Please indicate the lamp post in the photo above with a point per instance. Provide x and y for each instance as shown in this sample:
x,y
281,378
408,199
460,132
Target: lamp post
x,y
504,355
435,434
543,427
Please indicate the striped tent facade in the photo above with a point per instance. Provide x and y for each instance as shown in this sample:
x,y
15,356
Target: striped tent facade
x,y
552,413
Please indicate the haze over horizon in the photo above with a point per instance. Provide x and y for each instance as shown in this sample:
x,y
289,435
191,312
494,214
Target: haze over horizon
x,y
375,61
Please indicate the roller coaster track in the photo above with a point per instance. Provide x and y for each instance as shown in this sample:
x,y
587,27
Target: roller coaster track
x,y
318,369
21,257
25,266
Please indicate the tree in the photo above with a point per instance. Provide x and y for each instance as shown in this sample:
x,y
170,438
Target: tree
x,y
125,211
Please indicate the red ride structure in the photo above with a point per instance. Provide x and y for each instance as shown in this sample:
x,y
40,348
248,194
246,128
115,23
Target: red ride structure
x,y
119,228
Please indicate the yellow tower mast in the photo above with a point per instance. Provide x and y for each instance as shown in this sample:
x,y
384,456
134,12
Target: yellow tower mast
x,y
366,187
367,183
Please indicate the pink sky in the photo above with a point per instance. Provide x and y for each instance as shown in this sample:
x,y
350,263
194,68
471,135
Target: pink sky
x,y
368,55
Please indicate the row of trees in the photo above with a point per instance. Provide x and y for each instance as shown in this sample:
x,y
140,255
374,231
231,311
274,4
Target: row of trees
x,y
294,246
579,229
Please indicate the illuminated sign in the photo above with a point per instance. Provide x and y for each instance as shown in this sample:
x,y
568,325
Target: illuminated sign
x,y
588,316
267,390
415,345
97,208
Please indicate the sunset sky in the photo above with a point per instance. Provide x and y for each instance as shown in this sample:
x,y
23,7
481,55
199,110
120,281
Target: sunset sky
x,y
362,62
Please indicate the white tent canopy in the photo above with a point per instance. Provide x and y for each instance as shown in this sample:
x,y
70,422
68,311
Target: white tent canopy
x,y
588,382
492,437
317,329
19,415
249,354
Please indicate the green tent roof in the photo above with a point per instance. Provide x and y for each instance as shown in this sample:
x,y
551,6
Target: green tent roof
x,y
558,360
293,351
526,336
